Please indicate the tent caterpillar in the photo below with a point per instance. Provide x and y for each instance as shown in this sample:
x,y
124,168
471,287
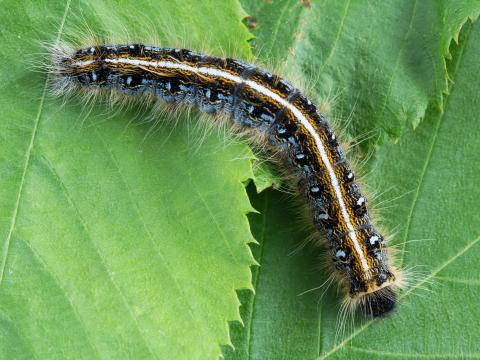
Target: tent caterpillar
x,y
260,101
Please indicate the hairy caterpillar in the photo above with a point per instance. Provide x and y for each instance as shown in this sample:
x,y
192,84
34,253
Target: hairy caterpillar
x,y
260,101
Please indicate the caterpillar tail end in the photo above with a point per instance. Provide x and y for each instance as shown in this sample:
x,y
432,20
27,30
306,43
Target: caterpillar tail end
x,y
378,304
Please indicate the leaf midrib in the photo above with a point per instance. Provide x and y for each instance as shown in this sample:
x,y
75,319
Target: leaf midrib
x,y
36,124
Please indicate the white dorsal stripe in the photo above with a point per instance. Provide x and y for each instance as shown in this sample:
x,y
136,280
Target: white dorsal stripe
x,y
265,91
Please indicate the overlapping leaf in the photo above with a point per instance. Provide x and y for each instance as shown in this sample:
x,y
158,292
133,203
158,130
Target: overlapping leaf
x,y
379,64
430,200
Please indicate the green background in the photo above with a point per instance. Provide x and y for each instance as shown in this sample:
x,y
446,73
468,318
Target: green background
x,y
125,235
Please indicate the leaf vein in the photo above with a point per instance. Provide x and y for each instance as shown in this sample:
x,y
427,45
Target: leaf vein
x,y
91,343
100,257
397,60
415,355
337,37
344,343
13,222
147,231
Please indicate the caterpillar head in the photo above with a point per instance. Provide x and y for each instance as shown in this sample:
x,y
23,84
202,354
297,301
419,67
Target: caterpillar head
x,y
379,303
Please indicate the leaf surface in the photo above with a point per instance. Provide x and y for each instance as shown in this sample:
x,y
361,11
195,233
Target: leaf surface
x,y
118,238
377,64
429,195
121,238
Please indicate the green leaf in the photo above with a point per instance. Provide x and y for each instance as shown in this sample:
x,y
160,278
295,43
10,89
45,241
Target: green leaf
x,y
118,239
265,176
429,177
275,25
279,322
379,64
125,239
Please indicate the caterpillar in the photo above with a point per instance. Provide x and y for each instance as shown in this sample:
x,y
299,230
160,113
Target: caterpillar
x,y
266,104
